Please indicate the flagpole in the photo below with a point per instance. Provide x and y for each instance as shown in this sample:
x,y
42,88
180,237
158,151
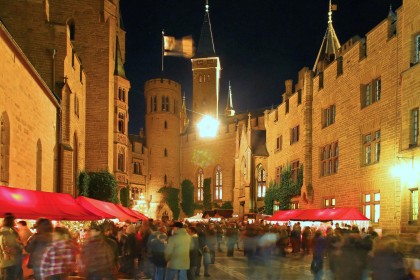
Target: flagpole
x,y
163,47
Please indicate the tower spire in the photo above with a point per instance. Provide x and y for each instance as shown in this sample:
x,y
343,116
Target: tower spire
x,y
229,107
330,44
205,44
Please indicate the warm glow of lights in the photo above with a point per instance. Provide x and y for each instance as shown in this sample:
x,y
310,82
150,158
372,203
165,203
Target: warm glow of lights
x,y
17,196
408,172
208,127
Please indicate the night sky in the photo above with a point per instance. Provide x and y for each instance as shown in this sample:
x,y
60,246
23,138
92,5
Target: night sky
x,y
261,43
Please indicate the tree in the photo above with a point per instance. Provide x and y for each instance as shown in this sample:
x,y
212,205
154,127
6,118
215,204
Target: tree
x,y
187,194
103,186
83,181
207,194
227,205
172,199
272,194
125,196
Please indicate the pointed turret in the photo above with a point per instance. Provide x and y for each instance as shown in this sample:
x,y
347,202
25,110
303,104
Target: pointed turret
x,y
392,22
119,64
229,107
330,45
205,44
184,121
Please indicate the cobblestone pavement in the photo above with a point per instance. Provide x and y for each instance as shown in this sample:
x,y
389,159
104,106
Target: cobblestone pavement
x,y
293,266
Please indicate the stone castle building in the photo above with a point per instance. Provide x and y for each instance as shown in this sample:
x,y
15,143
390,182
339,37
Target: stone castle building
x,y
351,121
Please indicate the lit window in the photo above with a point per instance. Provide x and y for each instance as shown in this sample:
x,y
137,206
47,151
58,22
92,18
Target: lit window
x,y
414,131
414,205
372,207
200,185
219,184
261,182
417,49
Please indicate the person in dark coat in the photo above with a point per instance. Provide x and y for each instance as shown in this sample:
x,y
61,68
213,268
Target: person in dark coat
x,y
195,257
319,247
157,254
388,259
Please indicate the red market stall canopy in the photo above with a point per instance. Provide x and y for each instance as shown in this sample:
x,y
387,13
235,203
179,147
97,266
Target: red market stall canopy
x,y
133,213
28,204
105,210
327,214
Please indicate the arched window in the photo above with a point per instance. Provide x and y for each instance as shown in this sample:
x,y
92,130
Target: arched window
x,y
200,184
75,163
261,181
121,122
4,147
218,194
38,165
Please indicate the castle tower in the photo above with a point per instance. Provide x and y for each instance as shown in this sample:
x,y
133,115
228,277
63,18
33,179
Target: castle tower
x,y
206,70
163,105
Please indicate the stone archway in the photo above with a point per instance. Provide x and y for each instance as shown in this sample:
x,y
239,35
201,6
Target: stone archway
x,y
163,211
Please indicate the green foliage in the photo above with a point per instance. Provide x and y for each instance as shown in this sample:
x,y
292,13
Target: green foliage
x,y
125,196
103,186
227,205
198,206
172,199
83,183
187,194
207,194
285,191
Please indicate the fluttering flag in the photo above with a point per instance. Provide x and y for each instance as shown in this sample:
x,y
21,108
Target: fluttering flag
x,y
183,47
333,7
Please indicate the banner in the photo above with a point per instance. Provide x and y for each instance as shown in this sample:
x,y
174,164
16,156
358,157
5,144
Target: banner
x,y
178,47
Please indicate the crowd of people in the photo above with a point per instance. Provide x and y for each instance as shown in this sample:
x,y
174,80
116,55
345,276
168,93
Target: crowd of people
x,y
159,250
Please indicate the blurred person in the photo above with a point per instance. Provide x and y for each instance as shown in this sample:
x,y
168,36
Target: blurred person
x,y
250,250
295,237
157,254
37,244
306,240
24,232
108,230
333,246
97,256
202,242
231,239
319,246
211,236
351,252
219,237
177,253
194,252
129,251
267,247
10,250
388,259
58,260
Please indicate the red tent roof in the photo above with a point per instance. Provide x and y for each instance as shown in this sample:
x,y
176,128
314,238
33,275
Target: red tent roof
x,y
28,204
105,209
327,214
285,215
133,213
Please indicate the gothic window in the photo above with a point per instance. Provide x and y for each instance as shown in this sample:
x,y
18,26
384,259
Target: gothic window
x,y
4,148
72,30
121,160
38,165
121,122
261,182
76,105
219,184
200,184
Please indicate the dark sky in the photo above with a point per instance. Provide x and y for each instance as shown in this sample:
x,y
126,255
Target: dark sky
x,y
261,43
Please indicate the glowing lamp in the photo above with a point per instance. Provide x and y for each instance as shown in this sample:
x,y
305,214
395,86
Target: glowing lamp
x,y
208,127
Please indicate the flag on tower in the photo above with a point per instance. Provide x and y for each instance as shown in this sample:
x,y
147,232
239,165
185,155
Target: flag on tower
x,y
183,47
333,7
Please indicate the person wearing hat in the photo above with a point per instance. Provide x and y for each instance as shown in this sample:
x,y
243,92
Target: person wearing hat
x,y
177,253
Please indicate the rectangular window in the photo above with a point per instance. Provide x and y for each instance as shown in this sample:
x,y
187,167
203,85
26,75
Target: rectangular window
x,y
371,147
72,57
294,135
329,202
321,80
329,159
414,130
276,115
417,49
294,205
279,143
371,93
328,116
299,97
121,162
287,106
414,205
294,169
372,207
339,66
278,174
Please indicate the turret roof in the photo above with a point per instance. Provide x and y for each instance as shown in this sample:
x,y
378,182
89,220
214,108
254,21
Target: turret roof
x,y
205,44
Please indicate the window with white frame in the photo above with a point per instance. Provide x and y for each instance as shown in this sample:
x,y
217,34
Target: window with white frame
x,y
371,92
218,193
372,206
329,159
414,129
371,147
329,202
414,205
200,184
261,181
417,49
